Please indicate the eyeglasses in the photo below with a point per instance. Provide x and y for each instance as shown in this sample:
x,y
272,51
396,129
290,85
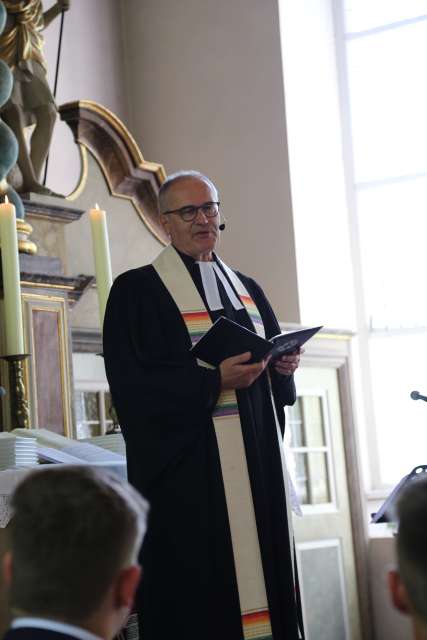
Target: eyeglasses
x,y
189,213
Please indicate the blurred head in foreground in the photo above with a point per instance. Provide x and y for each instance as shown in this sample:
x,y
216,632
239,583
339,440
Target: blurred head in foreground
x,y
75,537
408,584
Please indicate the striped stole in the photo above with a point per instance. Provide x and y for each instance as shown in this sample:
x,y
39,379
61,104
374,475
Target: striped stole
x,y
241,514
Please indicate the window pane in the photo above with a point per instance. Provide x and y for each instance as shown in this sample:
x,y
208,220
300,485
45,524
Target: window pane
x,y
91,405
295,425
398,365
368,14
107,402
79,406
318,478
313,421
388,102
312,478
88,429
301,477
393,232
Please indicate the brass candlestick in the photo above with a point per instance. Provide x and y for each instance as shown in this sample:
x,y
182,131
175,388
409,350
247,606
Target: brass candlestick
x,y
19,412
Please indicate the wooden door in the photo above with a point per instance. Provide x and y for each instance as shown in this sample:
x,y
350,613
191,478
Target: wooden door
x,y
324,540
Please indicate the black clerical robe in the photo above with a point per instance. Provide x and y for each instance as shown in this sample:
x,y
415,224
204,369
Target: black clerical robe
x,y
164,401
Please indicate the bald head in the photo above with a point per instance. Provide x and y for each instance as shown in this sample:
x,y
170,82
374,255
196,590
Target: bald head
x,y
167,188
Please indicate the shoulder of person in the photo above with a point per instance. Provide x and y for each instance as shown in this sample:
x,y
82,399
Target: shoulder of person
x,y
134,276
251,284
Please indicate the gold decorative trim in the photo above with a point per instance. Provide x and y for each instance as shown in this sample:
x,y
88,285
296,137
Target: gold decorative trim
x,y
123,131
84,171
138,209
153,167
41,285
64,355
46,298
24,229
26,246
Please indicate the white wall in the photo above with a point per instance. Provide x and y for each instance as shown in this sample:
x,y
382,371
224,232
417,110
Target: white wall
x,y
206,92
321,216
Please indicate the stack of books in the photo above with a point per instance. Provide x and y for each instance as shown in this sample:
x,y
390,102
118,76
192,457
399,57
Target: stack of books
x,y
17,452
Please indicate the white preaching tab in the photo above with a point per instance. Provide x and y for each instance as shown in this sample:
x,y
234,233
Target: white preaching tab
x,y
210,286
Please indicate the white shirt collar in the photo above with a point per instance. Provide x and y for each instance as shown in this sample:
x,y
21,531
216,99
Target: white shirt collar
x,y
210,271
53,625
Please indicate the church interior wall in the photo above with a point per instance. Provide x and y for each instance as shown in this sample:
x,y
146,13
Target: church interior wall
x,y
91,68
206,92
201,85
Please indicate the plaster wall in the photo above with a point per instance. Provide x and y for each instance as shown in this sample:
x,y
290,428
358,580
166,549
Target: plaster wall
x,y
91,67
206,92
320,205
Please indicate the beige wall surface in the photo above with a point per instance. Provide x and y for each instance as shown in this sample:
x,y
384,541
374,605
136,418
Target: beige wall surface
x,y
91,67
206,92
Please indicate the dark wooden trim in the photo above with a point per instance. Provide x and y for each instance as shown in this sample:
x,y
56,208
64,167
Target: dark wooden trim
x,y
86,341
52,212
74,287
126,172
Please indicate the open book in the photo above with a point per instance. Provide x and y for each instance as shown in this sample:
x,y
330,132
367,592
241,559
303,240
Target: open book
x,y
227,338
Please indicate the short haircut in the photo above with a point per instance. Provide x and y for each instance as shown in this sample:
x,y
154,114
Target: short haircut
x,y
73,529
173,178
412,543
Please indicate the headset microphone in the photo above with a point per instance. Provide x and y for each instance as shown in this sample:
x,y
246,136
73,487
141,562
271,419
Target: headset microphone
x,y
222,226
416,395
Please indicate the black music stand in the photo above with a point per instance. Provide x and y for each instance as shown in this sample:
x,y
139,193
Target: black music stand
x,y
387,511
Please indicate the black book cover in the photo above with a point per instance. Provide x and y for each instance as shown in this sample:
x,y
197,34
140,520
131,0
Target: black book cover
x,y
227,338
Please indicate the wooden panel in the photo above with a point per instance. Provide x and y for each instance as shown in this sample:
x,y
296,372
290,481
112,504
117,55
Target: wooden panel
x,y
47,359
49,368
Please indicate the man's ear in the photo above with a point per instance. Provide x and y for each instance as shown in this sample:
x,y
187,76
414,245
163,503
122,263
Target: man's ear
x,y
7,567
398,592
126,585
164,221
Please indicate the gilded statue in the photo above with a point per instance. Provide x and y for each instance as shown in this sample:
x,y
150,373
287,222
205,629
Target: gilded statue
x,y
31,101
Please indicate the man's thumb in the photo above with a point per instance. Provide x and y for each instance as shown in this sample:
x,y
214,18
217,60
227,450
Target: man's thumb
x,y
242,357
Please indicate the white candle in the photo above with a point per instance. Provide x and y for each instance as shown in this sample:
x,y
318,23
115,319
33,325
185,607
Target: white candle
x,y
101,251
11,280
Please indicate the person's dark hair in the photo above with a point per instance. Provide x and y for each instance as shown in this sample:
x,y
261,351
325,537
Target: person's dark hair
x,y
173,178
73,530
412,543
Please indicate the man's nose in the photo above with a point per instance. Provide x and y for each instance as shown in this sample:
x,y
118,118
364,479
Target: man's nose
x,y
201,218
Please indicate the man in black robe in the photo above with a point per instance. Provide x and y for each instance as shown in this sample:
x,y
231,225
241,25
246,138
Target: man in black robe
x,y
165,403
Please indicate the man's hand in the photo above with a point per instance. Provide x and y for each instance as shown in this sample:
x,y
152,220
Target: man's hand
x,y
235,374
287,365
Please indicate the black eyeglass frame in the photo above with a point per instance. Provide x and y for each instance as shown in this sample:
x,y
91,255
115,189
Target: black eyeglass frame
x,y
191,208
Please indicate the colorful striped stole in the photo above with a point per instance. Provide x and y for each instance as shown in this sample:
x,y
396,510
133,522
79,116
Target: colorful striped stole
x,y
241,514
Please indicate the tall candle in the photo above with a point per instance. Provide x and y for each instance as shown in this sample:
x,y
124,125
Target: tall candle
x,y
101,251
11,279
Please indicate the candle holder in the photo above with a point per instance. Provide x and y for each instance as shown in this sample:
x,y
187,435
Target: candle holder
x,y
19,412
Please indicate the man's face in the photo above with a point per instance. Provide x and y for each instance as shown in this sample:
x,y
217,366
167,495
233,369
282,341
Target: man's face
x,y
197,238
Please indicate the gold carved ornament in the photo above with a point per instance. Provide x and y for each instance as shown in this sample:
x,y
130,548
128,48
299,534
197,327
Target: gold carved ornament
x,y
23,42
